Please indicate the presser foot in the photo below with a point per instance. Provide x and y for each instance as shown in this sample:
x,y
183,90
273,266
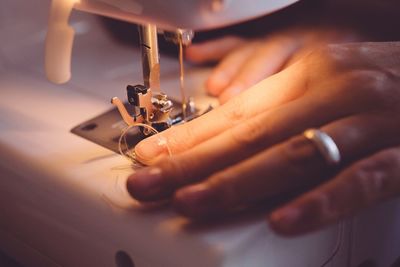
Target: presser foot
x,y
106,128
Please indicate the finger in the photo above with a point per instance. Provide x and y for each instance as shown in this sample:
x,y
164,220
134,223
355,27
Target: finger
x,y
268,58
212,50
272,92
335,96
248,138
229,66
365,183
282,169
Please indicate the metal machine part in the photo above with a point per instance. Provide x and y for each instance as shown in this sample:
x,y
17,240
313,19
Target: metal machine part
x,y
150,56
167,15
153,110
162,107
105,129
139,96
151,106
179,36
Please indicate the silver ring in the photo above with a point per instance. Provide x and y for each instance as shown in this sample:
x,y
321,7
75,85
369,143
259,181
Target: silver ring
x,y
325,145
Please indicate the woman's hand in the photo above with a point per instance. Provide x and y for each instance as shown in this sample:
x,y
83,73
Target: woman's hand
x,y
252,148
243,63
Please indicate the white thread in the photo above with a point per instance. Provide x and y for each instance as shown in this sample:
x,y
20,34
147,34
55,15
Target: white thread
x,y
130,153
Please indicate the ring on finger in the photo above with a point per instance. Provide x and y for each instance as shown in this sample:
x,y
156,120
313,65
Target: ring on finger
x,y
325,145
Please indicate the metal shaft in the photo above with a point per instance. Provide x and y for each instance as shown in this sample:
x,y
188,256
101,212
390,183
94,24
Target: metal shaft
x,y
150,56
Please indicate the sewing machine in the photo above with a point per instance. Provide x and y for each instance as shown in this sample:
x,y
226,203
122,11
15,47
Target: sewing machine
x,y
151,106
63,200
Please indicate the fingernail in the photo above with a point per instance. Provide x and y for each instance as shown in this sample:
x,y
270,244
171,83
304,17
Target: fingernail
x,y
194,53
150,149
230,92
234,90
145,183
217,81
195,201
286,217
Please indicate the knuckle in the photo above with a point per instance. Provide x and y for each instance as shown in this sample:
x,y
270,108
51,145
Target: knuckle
x,y
375,85
327,205
372,80
249,133
234,112
371,176
363,178
228,190
178,170
182,141
302,156
325,51
330,54
324,61
173,169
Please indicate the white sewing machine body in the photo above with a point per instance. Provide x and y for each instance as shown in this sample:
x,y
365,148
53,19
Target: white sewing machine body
x,y
174,16
183,14
63,200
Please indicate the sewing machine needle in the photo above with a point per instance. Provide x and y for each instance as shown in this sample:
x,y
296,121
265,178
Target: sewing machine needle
x,y
150,56
182,81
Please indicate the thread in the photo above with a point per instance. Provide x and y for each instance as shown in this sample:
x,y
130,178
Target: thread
x,y
182,79
129,153
339,241
123,143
